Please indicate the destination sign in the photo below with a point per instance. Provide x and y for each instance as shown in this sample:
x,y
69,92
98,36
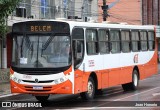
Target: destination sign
x,y
41,27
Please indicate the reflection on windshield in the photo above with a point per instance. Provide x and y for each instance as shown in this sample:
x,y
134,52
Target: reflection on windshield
x,y
41,51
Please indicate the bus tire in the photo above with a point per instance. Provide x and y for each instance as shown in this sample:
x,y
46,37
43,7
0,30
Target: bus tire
x,y
134,84
42,98
135,81
89,94
99,92
125,87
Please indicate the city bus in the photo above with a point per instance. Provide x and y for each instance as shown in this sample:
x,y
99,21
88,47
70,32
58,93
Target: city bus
x,y
68,57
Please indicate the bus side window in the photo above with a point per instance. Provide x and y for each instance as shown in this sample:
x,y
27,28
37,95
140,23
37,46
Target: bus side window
x,y
125,41
91,41
103,36
151,41
78,49
135,42
115,41
143,42
78,46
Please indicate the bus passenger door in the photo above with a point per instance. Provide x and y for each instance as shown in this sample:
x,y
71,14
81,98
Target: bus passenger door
x,y
78,55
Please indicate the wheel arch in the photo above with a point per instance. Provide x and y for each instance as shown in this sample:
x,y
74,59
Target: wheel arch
x,y
94,76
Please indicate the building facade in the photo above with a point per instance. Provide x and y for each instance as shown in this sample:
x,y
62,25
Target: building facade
x,y
47,9
141,12
52,9
151,16
128,11
144,12
151,12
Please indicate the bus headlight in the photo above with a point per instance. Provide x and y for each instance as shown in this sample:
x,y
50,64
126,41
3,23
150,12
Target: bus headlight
x,y
56,81
15,79
61,79
19,80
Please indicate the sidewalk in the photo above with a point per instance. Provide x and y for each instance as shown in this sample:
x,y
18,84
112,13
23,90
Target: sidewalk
x,y
4,82
4,75
5,88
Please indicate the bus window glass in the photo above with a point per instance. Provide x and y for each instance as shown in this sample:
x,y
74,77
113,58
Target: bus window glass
x,y
135,41
125,41
78,46
143,37
151,41
115,41
35,51
78,34
91,40
103,41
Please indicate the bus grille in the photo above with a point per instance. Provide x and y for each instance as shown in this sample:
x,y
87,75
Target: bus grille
x,y
45,89
48,81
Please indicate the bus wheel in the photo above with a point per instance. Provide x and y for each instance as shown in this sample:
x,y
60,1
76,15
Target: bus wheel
x,y
90,90
42,98
99,92
125,87
134,84
135,80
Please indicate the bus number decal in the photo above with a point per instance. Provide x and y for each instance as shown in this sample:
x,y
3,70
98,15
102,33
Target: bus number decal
x,y
136,58
91,63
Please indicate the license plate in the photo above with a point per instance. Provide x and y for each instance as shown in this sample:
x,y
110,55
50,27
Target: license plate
x,y
38,88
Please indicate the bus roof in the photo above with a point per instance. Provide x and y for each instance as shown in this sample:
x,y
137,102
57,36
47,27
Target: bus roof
x,y
101,25
105,25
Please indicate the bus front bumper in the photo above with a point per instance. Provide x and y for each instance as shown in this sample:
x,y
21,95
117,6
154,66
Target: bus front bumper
x,y
63,88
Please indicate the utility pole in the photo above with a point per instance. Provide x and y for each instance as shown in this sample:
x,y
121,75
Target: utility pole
x,y
105,10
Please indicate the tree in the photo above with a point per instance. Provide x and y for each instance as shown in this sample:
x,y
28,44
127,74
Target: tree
x,y
6,8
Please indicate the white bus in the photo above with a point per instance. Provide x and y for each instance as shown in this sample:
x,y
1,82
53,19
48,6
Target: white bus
x,y
67,57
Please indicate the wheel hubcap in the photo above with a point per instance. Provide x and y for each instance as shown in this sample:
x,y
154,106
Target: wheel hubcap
x,y
90,88
135,80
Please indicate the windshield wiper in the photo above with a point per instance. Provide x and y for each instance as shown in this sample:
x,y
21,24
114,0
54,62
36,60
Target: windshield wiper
x,y
28,43
21,50
47,43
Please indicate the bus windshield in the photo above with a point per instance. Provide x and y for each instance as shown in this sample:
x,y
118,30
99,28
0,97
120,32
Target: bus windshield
x,y
41,51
